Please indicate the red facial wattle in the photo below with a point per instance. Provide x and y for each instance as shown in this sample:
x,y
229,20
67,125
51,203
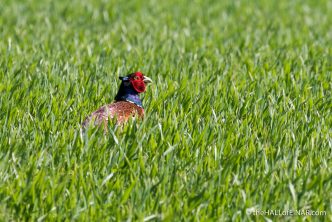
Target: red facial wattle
x,y
138,85
137,81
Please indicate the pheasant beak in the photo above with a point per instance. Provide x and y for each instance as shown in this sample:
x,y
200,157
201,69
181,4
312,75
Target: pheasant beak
x,y
147,80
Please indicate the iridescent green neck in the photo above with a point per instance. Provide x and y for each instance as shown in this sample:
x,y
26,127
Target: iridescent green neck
x,y
127,93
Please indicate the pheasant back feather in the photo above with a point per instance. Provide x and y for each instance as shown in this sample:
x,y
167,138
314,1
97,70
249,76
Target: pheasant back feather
x,y
121,110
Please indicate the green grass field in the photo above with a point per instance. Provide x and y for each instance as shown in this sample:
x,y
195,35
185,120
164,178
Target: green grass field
x,y
238,118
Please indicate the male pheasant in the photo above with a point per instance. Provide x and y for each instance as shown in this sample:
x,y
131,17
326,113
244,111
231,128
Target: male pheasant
x,y
127,102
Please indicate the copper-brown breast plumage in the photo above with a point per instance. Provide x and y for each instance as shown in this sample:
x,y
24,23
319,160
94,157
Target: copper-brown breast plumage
x,y
121,110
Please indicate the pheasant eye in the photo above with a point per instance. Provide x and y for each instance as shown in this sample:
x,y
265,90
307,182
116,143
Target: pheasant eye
x,y
136,77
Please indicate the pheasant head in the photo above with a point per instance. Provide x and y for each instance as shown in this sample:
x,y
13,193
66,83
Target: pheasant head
x,y
131,86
